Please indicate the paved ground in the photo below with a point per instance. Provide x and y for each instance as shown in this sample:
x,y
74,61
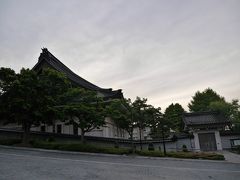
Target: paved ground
x,y
34,165
231,157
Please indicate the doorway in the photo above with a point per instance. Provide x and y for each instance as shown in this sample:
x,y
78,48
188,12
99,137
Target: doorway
x,y
207,141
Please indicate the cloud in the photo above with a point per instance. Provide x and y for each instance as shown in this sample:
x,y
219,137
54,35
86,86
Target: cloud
x,y
162,50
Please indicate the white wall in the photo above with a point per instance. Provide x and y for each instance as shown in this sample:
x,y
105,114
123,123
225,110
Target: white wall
x,y
144,133
226,143
108,130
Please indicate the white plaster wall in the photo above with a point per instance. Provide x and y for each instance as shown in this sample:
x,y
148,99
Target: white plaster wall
x,y
226,144
218,140
108,130
196,141
144,133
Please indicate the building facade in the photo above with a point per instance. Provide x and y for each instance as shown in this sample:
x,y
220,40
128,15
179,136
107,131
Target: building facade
x,y
206,128
110,130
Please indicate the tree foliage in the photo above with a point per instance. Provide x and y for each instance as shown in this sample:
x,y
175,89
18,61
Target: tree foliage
x,y
121,112
209,100
27,98
173,117
84,109
140,107
201,100
155,121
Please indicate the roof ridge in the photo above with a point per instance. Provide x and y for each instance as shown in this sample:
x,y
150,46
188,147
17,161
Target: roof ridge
x,y
49,58
201,113
70,71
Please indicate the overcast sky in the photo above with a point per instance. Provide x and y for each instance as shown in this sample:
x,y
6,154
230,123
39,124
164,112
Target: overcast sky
x,y
162,50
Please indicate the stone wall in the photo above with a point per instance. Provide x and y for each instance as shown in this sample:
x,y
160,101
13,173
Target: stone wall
x,y
226,140
111,142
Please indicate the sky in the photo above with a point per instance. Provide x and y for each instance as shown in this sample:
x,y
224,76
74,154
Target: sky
x,y
164,51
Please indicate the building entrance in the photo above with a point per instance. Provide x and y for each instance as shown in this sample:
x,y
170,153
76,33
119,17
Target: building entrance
x,y
207,141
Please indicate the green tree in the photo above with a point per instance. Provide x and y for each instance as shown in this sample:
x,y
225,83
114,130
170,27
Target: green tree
x,y
229,110
7,77
235,114
84,110
202,100
173,117
155,121
54,86
123,115
140,107
25,97
221,106
209,100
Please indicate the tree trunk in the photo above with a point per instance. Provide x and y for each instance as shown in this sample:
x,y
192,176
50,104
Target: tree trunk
x,y
54,128
140,133
132,144
82,136
26,130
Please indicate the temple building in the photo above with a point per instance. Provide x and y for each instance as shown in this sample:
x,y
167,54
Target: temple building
x,y
110,130
206,128
47,60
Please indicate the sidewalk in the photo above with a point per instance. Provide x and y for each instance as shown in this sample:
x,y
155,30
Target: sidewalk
x,y
231,157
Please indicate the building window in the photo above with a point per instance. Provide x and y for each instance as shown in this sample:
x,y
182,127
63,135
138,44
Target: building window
x,y
59,128
236,142
43,128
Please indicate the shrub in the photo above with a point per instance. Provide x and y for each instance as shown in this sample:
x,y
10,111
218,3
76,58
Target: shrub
x,y
79,147
50,139
150,153
10,142
184,148
111,150
151,147
238,149
196,155
116,145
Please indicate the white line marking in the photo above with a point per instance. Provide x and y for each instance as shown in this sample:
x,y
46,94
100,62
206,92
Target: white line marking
x,y
121,164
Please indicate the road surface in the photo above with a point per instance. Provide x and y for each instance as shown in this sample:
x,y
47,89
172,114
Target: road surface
x,y
28,164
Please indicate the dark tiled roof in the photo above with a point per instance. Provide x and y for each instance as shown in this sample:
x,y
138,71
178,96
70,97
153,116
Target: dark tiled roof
x,y
204,118
47,58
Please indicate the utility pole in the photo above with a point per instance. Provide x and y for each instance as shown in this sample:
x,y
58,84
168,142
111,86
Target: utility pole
x,y
140,134
164,147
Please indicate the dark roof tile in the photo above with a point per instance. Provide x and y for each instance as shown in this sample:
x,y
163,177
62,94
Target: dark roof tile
x,y
52,61
204,118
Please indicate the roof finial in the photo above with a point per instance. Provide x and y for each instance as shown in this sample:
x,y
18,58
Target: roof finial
x,y
44,50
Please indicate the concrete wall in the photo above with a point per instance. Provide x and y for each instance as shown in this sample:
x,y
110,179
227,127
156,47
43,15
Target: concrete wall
x,y
111,142
170,145
227,139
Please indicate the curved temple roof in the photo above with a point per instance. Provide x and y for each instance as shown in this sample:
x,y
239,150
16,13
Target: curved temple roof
x,y
204,118
49,60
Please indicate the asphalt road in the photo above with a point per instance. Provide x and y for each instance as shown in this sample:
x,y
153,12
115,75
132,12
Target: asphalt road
x,y
34,165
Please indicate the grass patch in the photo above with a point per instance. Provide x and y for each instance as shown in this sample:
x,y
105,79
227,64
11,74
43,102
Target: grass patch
x,y
186,155
10,142
111,150
150,153
79,147
196,155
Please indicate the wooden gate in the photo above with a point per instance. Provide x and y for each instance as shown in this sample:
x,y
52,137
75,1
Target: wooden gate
x,y
207,141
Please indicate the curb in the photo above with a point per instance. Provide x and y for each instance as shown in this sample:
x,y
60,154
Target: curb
x,y
111,155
